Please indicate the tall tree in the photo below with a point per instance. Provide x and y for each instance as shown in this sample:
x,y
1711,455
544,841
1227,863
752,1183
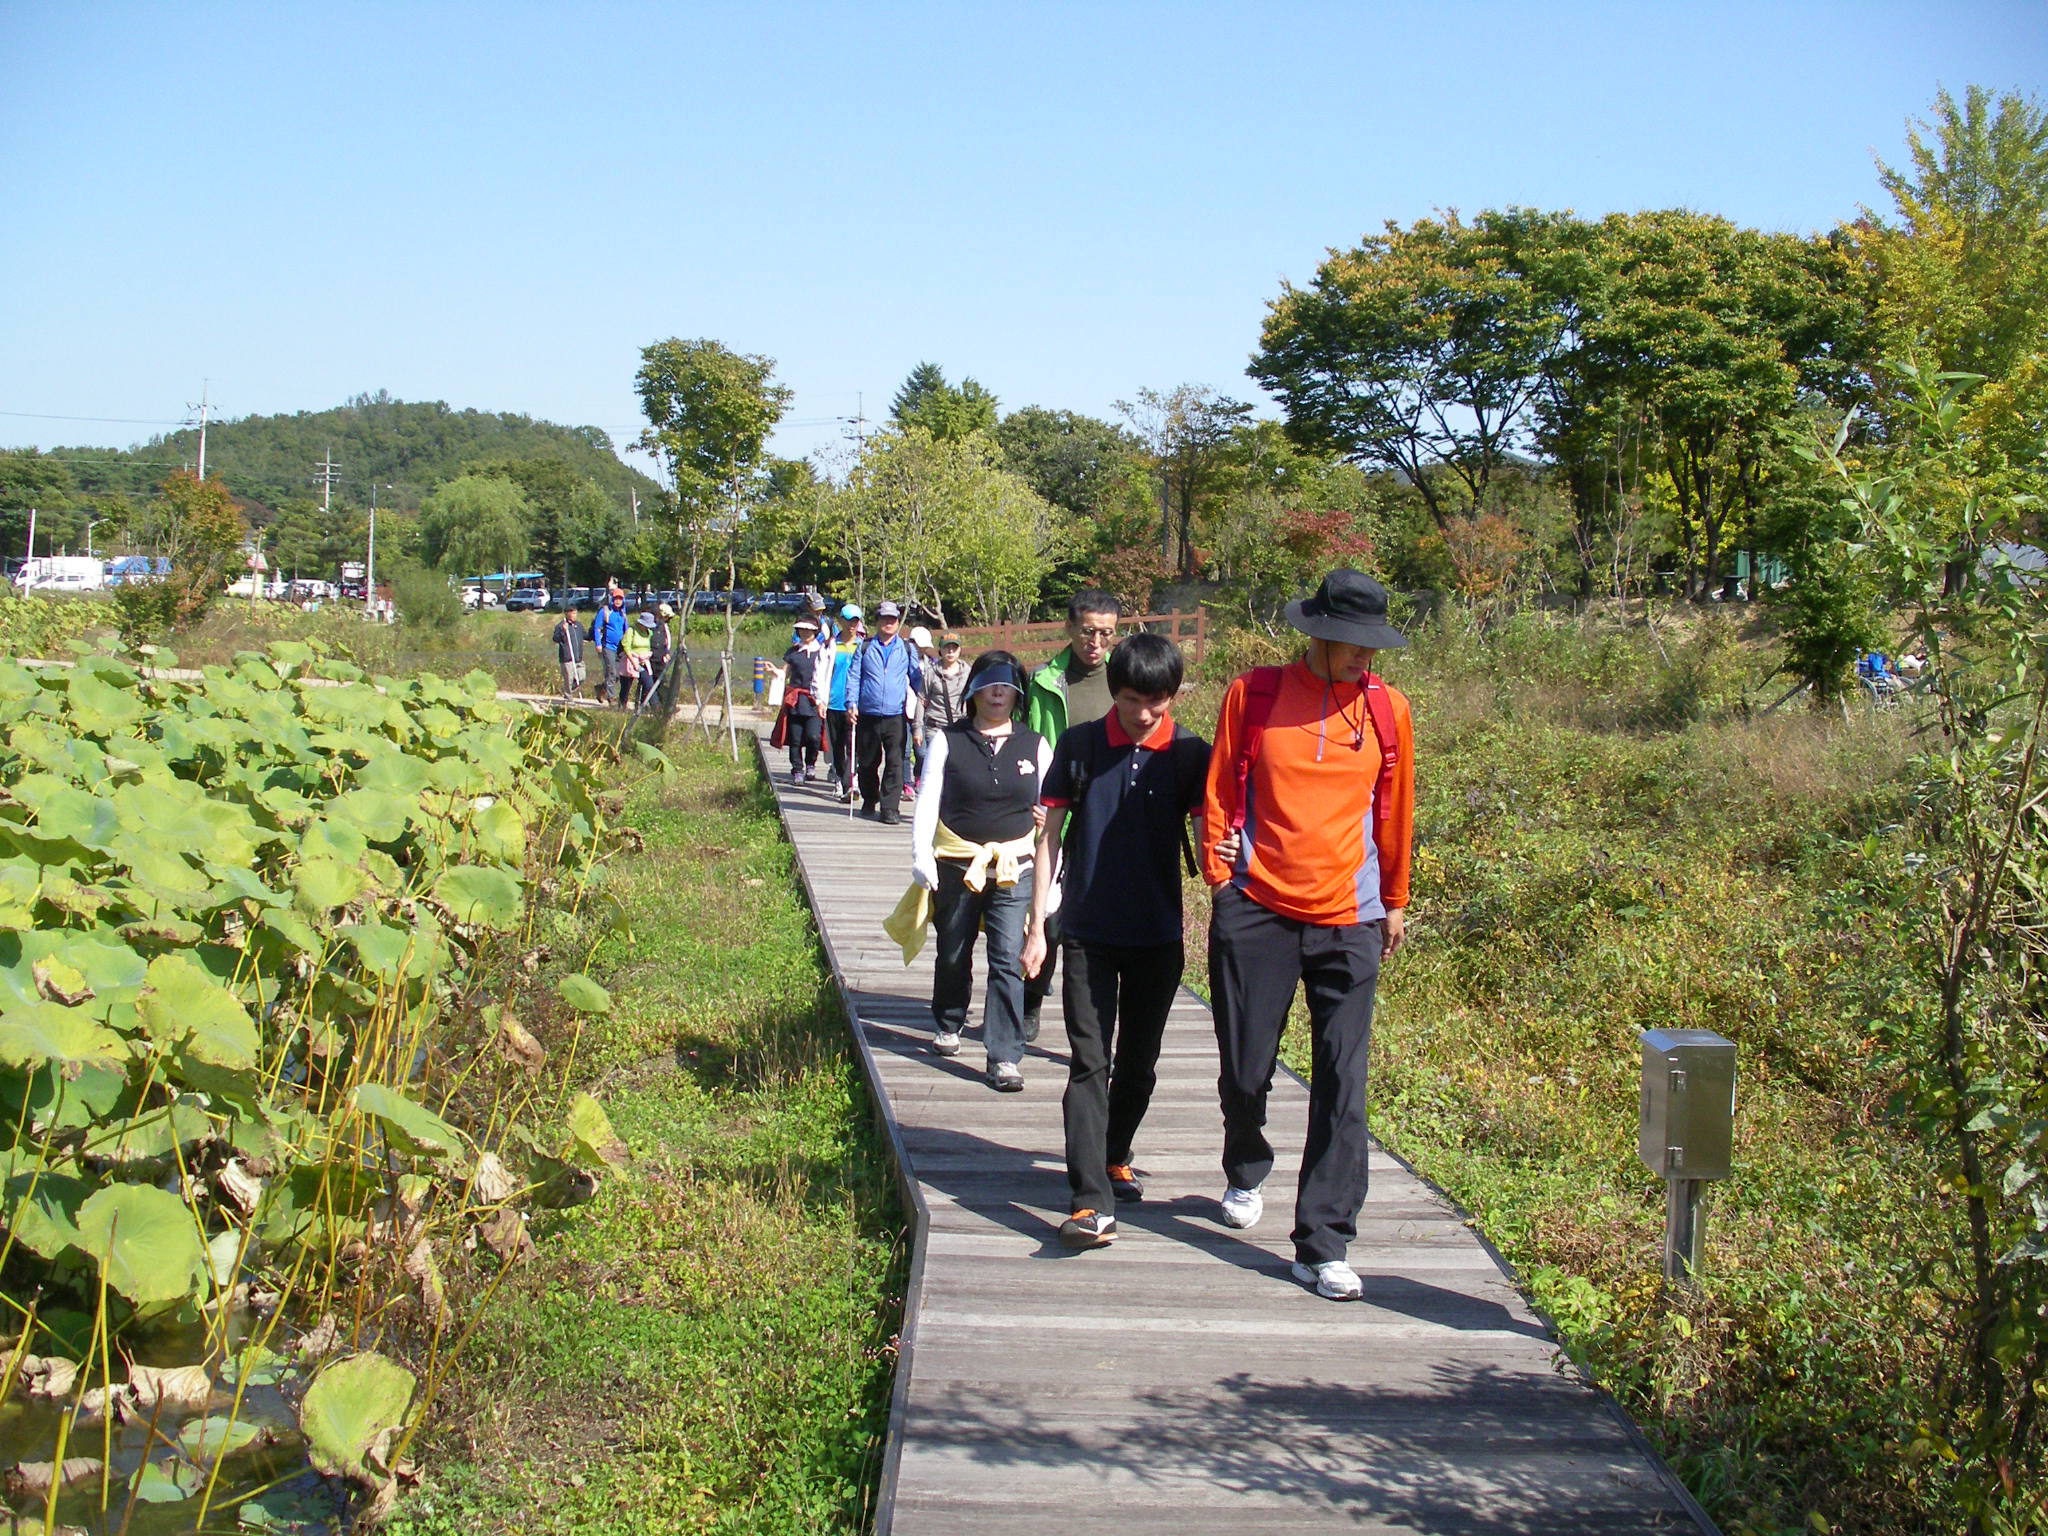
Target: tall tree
x,y
926,400
1419,351
1187,431
1961,268
475,525
1079,462
709,411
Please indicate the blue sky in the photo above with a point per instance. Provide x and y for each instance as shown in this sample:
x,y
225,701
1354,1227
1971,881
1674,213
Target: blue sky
x,y
499,205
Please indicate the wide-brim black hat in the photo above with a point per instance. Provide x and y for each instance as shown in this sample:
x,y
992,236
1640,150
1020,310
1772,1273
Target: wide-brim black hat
x,y
1350,608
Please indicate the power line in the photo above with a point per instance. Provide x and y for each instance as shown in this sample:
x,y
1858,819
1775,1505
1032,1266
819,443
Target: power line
x,y
126,421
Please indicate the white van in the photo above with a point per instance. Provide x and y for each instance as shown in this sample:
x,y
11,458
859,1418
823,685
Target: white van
x,y
62,573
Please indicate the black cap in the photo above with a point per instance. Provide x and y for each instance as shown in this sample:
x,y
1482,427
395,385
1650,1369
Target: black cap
x,y
1350,608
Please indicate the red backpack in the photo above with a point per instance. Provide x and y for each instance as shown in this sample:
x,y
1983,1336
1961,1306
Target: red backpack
x,y
1262,687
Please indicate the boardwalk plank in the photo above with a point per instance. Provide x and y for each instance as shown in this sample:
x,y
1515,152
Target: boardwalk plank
x,y
1181,1381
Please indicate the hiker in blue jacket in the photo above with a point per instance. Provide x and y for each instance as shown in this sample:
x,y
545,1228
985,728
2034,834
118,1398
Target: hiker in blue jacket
x,y
885,672
608,633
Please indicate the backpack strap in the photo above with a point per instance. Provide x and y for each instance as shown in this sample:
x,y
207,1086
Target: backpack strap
x,y
1381,708
1261,688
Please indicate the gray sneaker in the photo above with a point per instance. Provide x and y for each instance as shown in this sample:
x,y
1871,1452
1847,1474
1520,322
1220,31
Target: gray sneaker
x,y
1006,1077
1336,1280
946,1043
1242,1207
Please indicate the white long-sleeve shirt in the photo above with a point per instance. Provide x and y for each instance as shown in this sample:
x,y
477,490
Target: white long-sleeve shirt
x,y
924,818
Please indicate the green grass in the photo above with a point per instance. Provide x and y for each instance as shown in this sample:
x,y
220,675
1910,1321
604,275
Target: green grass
x,y
706,1344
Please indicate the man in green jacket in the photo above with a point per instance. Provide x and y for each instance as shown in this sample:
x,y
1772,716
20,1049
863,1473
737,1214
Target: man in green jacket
x,y
1071,689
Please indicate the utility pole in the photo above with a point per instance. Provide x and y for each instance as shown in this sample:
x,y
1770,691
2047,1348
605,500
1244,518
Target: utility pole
x,y
370,564
635,495
202,408
326,472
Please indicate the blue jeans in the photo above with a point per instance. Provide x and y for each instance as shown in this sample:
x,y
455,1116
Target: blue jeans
x,y
958,915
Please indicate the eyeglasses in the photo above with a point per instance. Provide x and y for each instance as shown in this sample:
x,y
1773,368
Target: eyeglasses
x,y
1096,634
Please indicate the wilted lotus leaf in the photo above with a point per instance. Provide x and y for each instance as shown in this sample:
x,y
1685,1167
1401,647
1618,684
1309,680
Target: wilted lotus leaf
x,y
505,1235
181,1386
492,1182
182,1004
351,1413
480,895
238,1186
47,1375
60,981
518,1043
583,994
33,1033
411,1124
145,1240
33,1479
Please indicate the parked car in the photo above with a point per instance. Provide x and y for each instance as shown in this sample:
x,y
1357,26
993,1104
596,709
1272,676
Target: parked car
x,y
526,600
782,602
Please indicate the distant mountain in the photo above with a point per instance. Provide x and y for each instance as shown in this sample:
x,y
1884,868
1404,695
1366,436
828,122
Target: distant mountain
x,y
412,445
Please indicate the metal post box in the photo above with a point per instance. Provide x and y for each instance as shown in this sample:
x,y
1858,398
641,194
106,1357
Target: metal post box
x,y
1688,1111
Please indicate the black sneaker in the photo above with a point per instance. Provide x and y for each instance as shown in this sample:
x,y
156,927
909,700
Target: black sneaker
x,y
1125,1183
1088,1229
1030,1025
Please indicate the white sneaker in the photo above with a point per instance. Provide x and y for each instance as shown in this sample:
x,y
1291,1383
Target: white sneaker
x,y
1242,1207
946,1043
1336,1280
1005,1077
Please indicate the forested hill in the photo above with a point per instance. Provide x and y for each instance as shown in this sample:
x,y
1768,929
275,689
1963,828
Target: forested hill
x,y
412,445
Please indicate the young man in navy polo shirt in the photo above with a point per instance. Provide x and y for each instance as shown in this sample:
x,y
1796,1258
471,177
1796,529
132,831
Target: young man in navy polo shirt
x,y
1117,798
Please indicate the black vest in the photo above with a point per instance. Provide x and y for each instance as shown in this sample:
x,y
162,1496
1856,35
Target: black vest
x,y
990,786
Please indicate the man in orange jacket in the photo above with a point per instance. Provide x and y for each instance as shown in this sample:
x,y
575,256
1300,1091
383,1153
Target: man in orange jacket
x,y
1312,891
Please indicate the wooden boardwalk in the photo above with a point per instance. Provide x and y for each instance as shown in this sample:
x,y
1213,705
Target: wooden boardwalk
x,y
1180,1381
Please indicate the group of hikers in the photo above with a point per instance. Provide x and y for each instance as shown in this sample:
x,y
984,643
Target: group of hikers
x,y
1053,812
632,652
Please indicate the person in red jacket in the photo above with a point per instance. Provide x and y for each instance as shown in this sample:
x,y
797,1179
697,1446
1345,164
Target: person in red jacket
x,y
1312,892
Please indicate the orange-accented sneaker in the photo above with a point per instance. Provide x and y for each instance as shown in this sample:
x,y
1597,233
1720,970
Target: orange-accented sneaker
x,y
1088,1229
1124,1181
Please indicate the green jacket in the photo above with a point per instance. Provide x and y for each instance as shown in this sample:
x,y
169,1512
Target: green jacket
x,y
1045,697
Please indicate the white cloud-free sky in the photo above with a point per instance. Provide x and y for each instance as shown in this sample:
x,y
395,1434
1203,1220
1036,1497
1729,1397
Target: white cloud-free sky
x,y
499,205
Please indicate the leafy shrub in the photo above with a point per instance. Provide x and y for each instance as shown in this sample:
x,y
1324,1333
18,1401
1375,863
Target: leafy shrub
x,y
424,598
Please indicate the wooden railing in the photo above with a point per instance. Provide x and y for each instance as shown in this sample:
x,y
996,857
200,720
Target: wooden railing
x,y
1038,641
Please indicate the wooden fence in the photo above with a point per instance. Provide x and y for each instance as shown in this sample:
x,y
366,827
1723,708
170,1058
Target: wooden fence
x,y
1038,641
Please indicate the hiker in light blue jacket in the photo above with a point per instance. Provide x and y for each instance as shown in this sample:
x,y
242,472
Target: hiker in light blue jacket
x,y
880,680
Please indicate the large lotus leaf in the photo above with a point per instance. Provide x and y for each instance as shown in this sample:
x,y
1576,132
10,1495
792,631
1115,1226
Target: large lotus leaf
x,y
351,1411
182,1004
322,884
385,949
243,885
170,1481
64,810
346,743
16,681
497,755
148,1246
109,669
40,1206
501,833
591,1137
110,968
20,885
442,724
294,932
479,894
383,871
583,994
33,1033
159,870
97,706
59,1098
256,670
291,808
381,815
290,655
152,1134
207,1440
412,1124
455,775
327,838
572,787
394,772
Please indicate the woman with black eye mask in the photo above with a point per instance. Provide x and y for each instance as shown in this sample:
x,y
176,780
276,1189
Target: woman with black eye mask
x,y
971,843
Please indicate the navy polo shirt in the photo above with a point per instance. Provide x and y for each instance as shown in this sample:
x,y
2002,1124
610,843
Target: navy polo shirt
x,y
1126,802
